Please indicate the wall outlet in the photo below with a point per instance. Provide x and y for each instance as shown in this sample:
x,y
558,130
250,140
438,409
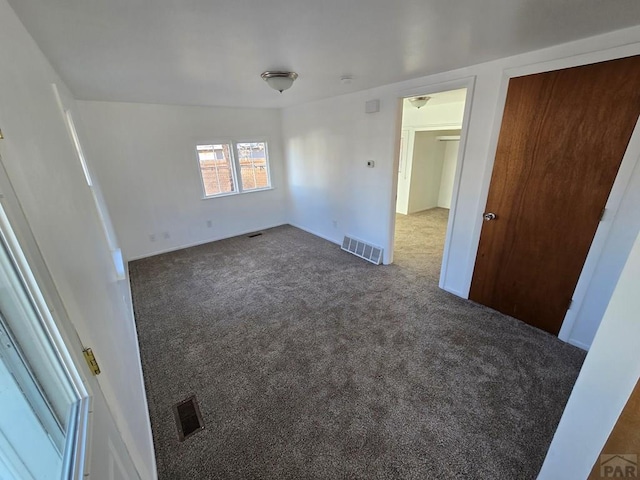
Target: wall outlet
x,y
152,237
166,235
209,224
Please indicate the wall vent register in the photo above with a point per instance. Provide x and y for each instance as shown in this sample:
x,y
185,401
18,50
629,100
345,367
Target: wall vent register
x,y
361,249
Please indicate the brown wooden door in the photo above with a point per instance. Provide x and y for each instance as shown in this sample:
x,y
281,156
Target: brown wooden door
x,y
562,140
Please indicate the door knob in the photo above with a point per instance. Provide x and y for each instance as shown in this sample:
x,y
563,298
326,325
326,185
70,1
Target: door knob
x,y
489,216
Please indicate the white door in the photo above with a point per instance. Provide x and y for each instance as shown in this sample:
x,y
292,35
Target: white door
x,y
54,421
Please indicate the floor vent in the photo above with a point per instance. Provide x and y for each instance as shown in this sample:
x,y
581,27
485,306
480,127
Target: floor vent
x,y
188,418
361,249
252,235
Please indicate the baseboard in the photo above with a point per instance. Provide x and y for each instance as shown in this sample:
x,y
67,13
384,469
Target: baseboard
x,y
126,285
578,344
203,242
455,292
324,237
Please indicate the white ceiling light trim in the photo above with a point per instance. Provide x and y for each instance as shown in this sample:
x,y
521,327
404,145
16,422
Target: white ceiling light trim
x,y
279,80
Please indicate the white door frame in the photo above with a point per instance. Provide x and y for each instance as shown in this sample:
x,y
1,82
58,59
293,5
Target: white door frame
x,y
621,182
469,84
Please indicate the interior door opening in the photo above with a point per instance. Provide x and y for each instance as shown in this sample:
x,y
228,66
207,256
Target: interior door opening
x,y
429,155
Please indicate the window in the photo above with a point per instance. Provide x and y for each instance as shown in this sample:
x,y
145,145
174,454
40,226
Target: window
x,y
44,406
253,165
216,168
220,164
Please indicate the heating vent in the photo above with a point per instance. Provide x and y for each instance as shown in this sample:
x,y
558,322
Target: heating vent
x,y
361,249
188,417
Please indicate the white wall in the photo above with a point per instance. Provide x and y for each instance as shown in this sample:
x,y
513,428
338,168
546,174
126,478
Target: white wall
x,y
426,171
608,376
144,157
48,180
331,190
448,172
328,142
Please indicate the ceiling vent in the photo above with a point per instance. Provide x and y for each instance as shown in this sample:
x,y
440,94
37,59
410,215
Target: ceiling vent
x,y
361,249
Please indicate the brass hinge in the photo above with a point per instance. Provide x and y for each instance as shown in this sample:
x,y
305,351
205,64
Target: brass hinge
x,y
604,210
91,361
1,135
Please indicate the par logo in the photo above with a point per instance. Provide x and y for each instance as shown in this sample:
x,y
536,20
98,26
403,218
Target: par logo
x,y
619,466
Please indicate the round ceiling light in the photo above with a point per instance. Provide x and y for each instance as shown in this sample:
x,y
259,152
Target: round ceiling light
x,y
280,81
419,101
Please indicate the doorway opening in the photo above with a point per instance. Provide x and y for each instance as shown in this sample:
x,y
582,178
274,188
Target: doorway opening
x,y
427,169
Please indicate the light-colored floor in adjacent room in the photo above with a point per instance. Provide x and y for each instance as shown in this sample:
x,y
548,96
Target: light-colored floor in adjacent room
x,y
419,241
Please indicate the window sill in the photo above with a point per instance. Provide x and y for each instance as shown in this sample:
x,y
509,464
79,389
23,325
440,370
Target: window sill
x,y
233,194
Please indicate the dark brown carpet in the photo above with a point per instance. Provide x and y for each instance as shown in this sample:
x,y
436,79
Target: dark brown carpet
x,y
310,363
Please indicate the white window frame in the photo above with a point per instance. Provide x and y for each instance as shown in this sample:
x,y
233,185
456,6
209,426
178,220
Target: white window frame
x,y
235,166
47,333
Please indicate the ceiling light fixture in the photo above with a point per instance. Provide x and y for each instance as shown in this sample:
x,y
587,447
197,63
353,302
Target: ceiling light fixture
x,y
280,81
419,101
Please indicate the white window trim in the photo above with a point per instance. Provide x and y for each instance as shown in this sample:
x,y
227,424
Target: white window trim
x,y
235,166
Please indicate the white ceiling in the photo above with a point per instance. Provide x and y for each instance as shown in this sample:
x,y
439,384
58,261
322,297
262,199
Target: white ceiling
x,y
211,52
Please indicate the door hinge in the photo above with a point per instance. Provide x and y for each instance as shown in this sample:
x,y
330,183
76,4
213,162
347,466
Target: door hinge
x,y
570,304
1,135
604,210
91,361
